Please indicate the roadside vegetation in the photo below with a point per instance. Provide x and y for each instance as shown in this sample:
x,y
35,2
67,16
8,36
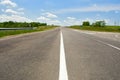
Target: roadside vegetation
x,y
35,27
97,26
11,24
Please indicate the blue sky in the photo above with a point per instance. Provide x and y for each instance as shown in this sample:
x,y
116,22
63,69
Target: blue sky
x,y
60,12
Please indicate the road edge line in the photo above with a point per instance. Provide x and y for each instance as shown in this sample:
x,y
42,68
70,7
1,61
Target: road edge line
x,y
115,47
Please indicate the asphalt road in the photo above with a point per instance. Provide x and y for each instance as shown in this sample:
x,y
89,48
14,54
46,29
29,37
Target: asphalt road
x,y
90,58
30,57
88,55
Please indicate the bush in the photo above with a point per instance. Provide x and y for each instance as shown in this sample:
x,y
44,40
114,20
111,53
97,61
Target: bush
x,y
86,23
99,24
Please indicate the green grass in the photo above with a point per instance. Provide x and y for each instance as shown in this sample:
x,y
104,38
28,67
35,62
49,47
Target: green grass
x,y
15,32
104,29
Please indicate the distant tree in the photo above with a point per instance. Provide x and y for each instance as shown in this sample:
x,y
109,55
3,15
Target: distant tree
x,y
1,24
37,24
99,24
86,23
43,24
10,24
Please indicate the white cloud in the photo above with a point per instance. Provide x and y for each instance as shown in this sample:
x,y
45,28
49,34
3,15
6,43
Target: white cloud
x,y
48,20
12,14
49,15
71,21
9,10
68,21
43,18
71,18
8,3
20,9
93,8
12,11
14,18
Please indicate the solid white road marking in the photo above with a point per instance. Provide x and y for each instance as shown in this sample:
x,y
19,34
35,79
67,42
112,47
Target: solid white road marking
x,y
63,75
109,45
116,36
76,30
84,32
104,42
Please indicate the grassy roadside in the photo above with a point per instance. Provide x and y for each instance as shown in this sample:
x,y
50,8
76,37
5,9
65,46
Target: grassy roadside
x,y
102,29
15,32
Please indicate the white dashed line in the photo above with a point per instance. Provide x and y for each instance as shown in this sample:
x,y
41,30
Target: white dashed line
x,y
63,75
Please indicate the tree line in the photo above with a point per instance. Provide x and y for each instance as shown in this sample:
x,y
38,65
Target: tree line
x,y
95,24
11,24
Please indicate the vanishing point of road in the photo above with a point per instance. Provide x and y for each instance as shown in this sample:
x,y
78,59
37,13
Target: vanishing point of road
x,y
60,54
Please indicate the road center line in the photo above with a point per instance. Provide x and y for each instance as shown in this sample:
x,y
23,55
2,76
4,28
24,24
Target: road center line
x,y
63,75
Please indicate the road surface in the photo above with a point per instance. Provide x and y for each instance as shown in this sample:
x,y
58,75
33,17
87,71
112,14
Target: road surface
x,y
79,55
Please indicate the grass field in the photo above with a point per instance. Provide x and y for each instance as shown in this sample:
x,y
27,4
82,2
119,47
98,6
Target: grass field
x,y
104,29
15,32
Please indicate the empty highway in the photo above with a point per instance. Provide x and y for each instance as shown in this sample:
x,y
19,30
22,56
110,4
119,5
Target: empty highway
x,y
61,54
